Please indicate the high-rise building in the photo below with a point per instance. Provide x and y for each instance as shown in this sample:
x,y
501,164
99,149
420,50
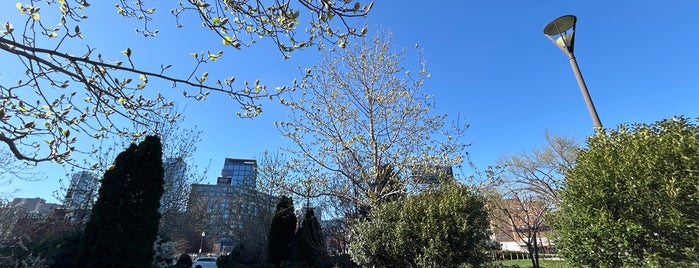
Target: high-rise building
x,y
175,183
82,192
232,211
239,172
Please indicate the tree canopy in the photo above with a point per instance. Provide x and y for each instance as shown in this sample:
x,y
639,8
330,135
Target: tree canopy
x,y
67,88
632,198
362,126
442,227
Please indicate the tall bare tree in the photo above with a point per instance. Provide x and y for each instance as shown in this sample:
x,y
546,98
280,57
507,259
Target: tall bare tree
x,y
362,126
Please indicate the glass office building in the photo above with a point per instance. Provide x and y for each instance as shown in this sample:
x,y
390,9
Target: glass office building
x,y
239,172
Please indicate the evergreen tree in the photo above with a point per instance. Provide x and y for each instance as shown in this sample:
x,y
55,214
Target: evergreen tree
x,y
281,232
124,221
309,247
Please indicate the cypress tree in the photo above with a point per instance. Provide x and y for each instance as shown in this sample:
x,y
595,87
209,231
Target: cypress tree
x,y
309,246
124,222
281,232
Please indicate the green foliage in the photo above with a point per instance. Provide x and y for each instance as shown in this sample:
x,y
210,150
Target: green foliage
x,y
43,242
60,250
163,252
281,232
443,227
309,246
632,200
184,260
30,260
224,261
124,220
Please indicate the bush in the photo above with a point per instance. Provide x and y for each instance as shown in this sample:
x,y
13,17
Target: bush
x,y
444,227
632,198
230,261
164,250
184,261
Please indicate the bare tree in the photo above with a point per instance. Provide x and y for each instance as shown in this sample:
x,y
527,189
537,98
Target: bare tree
x,y
362,127
11,168
540,171
273,173
8,219
524,188
520,217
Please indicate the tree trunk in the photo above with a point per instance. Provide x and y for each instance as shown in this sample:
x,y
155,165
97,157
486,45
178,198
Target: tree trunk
x,y
534,251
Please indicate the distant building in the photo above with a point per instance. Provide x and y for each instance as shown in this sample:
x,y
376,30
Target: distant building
x,y
511,229
34,208
335,235
433,174
82,192
232,210
81,195
175,182
31,218
239,172
301,212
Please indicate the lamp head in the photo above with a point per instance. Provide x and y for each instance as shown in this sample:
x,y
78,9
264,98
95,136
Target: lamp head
x,y
561,32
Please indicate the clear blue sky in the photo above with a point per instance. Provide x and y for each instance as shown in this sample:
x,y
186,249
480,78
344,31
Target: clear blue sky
x,y
489,60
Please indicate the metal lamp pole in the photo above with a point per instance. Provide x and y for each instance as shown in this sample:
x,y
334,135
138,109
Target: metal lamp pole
x,y
563,30
201,244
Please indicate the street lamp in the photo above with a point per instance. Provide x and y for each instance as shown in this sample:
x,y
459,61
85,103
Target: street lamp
x,y
561,32
202,242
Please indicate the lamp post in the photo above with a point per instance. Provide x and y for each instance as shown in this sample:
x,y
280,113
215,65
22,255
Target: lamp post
x,y
201,244
561,32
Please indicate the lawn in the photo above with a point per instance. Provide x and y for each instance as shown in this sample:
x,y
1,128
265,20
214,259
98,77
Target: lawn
x,y
528,263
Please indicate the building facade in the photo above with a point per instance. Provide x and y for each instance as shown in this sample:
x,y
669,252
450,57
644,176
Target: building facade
x,y
431,174
175,183
81,195
232,211
517,222
32,219
240,172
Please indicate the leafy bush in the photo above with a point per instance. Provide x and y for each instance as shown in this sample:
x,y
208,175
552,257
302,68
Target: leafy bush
x,y
632,199
444,227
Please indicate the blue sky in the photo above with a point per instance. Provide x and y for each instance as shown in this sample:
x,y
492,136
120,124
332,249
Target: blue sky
x,y
489,60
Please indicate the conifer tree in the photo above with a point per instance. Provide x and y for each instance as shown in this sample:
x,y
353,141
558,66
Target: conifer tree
x,y
124,221
281,232
309,247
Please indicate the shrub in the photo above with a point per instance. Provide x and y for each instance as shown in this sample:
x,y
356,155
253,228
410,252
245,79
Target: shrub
x,y
184,260
444,227
632,198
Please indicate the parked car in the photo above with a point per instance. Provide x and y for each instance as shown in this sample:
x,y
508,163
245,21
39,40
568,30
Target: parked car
x,y
204,262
